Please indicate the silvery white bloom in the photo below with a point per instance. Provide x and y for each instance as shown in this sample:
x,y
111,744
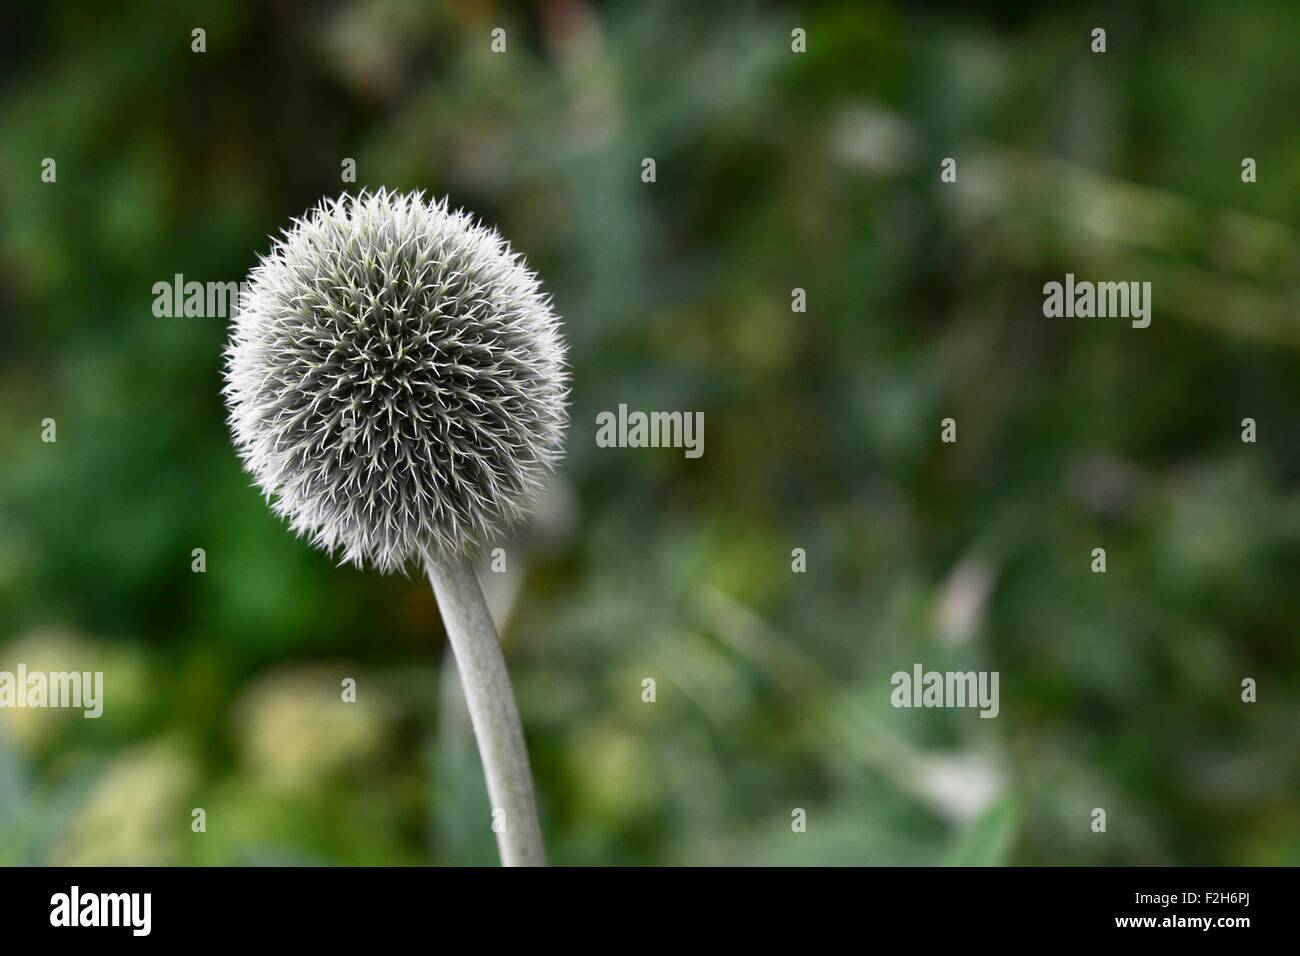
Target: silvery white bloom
x,y
395,379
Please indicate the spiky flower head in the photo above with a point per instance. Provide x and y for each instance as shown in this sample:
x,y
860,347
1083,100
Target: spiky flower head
x,y
395,379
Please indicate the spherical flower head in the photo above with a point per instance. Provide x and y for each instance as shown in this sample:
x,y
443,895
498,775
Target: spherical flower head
x,y
395,379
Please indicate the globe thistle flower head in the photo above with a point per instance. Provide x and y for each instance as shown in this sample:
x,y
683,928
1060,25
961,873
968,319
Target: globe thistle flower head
x,y
395,380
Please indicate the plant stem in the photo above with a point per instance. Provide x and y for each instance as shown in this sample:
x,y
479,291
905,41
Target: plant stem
x,y
492,711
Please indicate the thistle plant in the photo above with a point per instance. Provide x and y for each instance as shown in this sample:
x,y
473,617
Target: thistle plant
x,y
396,386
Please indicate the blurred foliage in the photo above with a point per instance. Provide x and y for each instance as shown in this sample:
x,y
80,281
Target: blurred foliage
x,y
775,170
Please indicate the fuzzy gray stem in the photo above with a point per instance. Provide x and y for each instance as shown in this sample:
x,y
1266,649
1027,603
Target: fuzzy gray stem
x,y
492,710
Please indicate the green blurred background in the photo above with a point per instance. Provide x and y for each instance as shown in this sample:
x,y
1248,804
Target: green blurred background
x,y
775,170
